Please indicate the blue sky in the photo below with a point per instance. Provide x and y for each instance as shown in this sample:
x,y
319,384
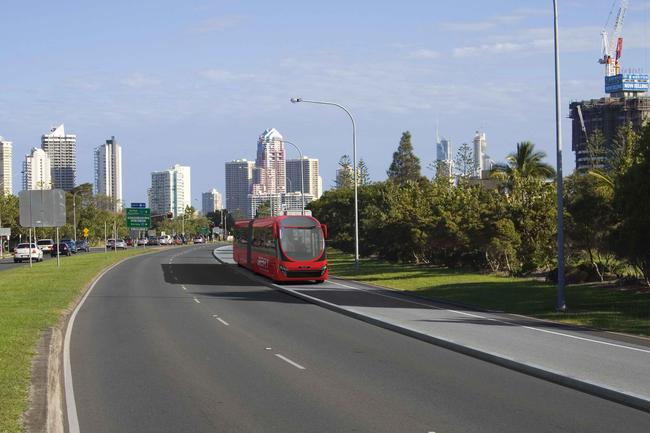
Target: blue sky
x,y
196,82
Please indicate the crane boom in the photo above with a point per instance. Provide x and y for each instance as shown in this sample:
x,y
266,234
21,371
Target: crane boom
x,y
613,42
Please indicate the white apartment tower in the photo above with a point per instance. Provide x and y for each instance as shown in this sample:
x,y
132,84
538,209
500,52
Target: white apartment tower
x,y
310,173
108,172
62,150
170,191
270,166
482,162
6,186
37,171
239,181
211,201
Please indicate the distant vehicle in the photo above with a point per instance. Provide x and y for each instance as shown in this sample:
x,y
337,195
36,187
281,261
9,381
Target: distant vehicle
x,y
143,241
153,240
177,240
198,240
113,244
165,240
284,248
45,244
71,243
129,242
82,245
24,251
63,248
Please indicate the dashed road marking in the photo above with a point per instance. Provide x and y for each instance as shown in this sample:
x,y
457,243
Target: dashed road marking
x,y
223,321
183,286
295,364
196,300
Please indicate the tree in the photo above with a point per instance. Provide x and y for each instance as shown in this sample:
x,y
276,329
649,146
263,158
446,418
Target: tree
x,y
406,165
632,200
525,163
263,210
363,177
464,164
344,175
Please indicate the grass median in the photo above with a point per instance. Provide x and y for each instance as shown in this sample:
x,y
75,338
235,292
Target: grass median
x,y
612,308
32,300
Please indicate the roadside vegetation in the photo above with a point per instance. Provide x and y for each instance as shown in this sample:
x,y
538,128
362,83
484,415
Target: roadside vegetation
x,y
504,222
32,300
603,306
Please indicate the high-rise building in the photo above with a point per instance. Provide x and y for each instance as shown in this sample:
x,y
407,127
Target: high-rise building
x,y
108,172
239,180
482,161
310,173
605,115
211,201
6,186
62,150
270,166
37,172
170,191
444,157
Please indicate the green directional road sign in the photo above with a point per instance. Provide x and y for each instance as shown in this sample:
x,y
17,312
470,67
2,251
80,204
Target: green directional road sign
x,y
138,218
204,230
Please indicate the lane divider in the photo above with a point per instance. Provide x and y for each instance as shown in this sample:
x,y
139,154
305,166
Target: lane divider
x,y
287,360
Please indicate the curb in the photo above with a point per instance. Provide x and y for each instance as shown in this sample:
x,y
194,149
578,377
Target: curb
x,y
614,395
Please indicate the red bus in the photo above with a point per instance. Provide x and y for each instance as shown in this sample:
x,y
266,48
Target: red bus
x,y
283,248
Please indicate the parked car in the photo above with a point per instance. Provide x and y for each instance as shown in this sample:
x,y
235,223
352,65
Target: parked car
x,y
71,243
177,240
24,251
129,242
198,240
143,241
83,246
63,248
153,240
45,245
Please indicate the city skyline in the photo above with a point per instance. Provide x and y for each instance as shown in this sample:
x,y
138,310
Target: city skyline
x,y
492,74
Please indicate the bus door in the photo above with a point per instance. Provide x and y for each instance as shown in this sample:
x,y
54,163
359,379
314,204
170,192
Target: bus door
x,y
249,244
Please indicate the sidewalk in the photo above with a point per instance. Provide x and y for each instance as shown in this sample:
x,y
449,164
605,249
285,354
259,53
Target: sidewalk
x,y
600,363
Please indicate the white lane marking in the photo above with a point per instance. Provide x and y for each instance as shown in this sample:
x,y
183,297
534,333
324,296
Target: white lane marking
x,y
71,407
196,300
183,286
223,321
295,364
561,334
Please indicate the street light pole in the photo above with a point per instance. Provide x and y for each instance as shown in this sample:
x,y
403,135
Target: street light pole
x,y
302,174
354,163
74,214
561,299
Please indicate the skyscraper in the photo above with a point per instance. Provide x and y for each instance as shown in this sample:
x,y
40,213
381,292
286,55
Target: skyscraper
x,y
239,180
270,166
62,149
482,161
211,201
6,186
444,157
311,175
170,190
37,173
108,172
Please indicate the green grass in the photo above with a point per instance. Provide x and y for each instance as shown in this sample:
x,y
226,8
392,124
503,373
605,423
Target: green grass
x,y
608,308
31,300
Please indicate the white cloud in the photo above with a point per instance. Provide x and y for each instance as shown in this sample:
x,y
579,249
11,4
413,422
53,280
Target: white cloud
x,y
424,53
138,80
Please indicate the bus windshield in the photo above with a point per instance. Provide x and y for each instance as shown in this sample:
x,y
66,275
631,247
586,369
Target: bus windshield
x,y
301,238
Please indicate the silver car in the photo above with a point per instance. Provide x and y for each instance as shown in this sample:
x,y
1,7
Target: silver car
x,y
23,252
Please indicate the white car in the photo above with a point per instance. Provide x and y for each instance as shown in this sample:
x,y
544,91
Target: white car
x,y
24,251
113,244
45,244
143,241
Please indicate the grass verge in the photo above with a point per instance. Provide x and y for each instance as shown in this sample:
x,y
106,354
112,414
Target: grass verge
x,y
32,300
614,309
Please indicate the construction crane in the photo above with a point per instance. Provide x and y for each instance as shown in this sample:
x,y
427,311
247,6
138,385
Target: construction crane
x,y
613,42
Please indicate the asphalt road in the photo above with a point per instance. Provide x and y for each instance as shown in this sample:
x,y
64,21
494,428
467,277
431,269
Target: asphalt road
x,y
174,342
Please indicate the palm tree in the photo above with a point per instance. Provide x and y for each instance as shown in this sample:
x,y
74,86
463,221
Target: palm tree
x,y
524,163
